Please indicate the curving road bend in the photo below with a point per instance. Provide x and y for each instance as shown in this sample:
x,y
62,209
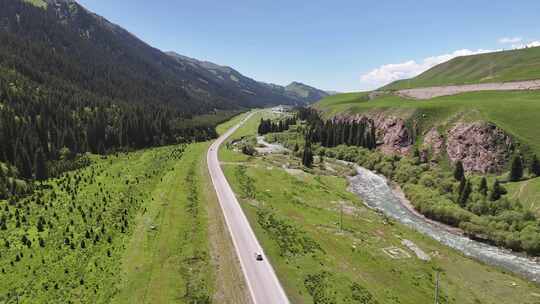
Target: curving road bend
x,y
261,279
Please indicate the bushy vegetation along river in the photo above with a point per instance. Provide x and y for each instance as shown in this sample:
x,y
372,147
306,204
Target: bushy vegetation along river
x,y
376,193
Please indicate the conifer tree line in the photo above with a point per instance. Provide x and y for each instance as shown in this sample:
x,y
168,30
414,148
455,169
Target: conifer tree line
x,y
268,126
465,187
37,123
332,133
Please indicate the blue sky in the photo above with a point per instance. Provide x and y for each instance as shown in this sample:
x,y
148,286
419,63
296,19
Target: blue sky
x,y
342,45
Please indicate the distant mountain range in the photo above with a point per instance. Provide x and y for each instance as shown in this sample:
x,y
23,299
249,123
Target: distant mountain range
x,y
295,93
103,58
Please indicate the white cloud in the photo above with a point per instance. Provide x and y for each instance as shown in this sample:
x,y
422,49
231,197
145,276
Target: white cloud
x,y
411,68
510,40
526,45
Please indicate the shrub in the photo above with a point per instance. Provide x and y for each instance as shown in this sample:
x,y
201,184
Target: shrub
x,y
516,171
535,166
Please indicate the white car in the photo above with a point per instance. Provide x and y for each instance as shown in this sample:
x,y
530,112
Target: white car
x,y
258,256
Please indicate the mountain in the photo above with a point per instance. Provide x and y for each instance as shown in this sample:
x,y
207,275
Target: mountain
x,y
310,94
61,40
504,66
70,79
264,93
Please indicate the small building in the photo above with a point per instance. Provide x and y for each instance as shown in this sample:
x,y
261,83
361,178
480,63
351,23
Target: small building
x,y
282,109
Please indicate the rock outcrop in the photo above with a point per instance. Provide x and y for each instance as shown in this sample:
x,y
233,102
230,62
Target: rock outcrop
x,y
482,147
393,136
433,145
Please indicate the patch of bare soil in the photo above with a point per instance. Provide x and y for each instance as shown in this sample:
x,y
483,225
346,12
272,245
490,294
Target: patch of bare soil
x,y
432,92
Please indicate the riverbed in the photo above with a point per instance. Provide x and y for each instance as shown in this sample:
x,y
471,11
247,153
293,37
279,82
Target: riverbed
x,y
376,193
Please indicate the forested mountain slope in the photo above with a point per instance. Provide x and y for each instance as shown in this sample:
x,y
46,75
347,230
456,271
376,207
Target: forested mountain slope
x,y
70,82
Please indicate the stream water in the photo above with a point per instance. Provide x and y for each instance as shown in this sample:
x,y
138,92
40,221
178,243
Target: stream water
x,y
376,193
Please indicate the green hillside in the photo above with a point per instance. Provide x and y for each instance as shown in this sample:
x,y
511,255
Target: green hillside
x,y
515,112
514,65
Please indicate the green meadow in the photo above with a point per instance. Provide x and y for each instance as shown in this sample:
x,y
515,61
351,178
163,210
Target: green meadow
x,y
130,228
526,192
513,65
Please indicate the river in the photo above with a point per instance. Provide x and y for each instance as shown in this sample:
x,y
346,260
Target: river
x,y
376,193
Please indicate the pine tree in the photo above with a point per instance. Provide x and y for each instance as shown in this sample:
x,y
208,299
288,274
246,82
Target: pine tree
x,y
459,172
41,166
40,225
516,172
535,166
464,196
497,191
461,188
483,189
321,156
307,157
260,129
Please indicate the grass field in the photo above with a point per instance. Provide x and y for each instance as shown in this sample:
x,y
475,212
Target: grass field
x,y
167,258
296,217
514,65
527,192
67,241
38,3
141,227
515,112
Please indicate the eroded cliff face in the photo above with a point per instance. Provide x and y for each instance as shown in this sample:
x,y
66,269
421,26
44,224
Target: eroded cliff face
x,y
393,136
433,145
481,146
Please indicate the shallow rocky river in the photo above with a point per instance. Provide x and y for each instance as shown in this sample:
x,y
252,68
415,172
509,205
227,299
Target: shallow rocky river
x,y
376,193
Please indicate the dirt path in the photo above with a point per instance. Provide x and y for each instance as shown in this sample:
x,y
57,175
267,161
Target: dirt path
x,y
432,92
523,186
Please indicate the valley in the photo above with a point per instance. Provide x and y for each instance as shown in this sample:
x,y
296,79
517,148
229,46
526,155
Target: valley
x,y
317,234
203,168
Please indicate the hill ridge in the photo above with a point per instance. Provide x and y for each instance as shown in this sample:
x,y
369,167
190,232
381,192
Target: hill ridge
x,y
502,66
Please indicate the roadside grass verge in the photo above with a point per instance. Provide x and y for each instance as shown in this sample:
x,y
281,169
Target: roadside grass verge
x,y
222,128
167,259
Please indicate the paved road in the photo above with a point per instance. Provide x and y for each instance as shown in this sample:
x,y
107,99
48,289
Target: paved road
x,y
261,279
